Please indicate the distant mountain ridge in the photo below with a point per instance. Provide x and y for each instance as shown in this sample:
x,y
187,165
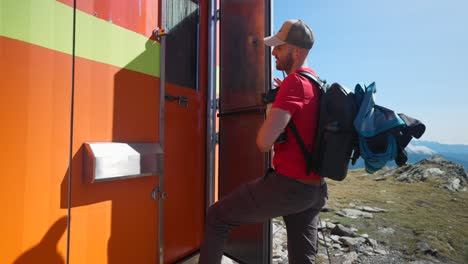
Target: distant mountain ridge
x,y
457,153
419,149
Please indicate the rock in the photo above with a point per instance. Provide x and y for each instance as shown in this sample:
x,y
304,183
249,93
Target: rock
x,y
380,251
354,213
330,225
421,262
354,243
322,225
276,227
283,259
453,175
368,250
335,238
388,173
337,246
372,242
386,230
450,168
403,178
371,209
325,225
424,247
226,260
342,243
341,230
348,258
433,172
453,184
279,247
327,242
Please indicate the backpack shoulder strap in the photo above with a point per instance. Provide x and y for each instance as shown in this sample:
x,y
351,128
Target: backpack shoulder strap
x,y
312,78
310,162
298,138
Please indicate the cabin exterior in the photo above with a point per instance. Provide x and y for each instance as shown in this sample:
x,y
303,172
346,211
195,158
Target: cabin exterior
x,y
110,112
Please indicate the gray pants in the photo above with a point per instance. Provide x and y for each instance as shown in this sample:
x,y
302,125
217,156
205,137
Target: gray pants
x,y
259,200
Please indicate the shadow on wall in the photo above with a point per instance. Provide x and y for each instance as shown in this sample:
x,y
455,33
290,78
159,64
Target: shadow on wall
x,y
133,213
136,100
46,249
136,95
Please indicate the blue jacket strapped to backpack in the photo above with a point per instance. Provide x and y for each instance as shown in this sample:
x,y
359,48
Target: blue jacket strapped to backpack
x,y
382,133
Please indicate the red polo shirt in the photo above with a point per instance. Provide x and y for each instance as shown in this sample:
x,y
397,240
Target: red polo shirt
x,y
299,97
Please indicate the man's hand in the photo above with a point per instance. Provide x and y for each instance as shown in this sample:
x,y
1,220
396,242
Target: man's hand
x,y
277,82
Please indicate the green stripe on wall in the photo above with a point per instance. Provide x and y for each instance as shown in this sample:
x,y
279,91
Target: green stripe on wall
x,y
49,24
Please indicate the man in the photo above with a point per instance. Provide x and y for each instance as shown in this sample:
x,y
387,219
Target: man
x,y
287,190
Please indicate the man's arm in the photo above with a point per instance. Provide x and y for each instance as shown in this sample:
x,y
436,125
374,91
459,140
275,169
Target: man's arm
x,y
274,124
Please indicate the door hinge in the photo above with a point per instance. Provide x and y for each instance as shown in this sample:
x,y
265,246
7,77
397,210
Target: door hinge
x,y
216,139
218,15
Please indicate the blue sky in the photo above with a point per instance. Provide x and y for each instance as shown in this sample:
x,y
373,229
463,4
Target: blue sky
x,y
415,50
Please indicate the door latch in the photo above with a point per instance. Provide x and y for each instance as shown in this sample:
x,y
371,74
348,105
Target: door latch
x,y
158,194
181,99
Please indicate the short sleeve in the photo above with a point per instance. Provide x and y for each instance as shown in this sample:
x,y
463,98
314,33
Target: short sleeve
x,y
290,96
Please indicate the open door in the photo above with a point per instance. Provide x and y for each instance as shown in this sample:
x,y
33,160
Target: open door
x,y
244,76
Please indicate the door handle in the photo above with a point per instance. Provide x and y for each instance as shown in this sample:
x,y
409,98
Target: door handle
x,y
181,99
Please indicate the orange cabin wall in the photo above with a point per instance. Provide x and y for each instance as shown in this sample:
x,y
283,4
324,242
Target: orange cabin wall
x,y
111,222
34,135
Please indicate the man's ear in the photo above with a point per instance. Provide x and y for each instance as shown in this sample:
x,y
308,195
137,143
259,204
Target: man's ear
x,y
301,53
295,53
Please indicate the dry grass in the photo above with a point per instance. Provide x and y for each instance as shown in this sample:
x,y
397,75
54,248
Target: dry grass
x,y
418,212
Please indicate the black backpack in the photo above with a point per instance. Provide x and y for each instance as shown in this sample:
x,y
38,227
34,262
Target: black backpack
x,y
336,141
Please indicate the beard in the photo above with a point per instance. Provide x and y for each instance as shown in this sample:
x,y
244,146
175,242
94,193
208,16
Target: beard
x,y
286,64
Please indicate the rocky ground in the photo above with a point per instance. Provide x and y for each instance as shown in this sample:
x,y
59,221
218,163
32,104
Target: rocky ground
x,y
414,214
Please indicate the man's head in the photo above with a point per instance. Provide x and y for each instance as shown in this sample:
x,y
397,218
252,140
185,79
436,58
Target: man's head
x,y
291,45
294,32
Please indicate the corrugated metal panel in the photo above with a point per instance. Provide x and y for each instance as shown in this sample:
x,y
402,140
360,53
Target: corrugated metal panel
x,y
34,135
112,222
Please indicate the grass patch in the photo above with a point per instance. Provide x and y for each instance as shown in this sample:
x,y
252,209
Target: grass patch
x,y
418,212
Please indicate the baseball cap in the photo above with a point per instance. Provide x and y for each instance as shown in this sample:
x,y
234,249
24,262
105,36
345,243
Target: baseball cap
x,y
294,32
